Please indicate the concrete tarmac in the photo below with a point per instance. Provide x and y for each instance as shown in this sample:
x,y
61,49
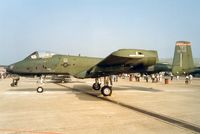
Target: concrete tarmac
x,y
73,108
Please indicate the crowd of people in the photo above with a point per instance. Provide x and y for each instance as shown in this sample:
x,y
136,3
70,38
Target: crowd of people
x,y
154,78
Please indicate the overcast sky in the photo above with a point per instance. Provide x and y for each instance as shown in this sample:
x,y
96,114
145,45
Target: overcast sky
x,y
96,27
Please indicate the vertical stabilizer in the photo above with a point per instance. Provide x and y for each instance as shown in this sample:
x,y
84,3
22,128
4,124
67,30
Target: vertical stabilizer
x,y
183,60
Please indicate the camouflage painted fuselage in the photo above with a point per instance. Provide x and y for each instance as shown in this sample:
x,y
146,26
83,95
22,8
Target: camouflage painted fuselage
x,y
121,61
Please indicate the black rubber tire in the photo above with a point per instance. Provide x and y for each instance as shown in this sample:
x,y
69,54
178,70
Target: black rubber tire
x,y
40,89
96,86
106,91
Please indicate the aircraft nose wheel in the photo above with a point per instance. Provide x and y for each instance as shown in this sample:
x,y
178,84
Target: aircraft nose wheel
x,y
40,89
106,91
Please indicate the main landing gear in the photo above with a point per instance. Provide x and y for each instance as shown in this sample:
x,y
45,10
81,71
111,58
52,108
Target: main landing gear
x,y
96,85
106,90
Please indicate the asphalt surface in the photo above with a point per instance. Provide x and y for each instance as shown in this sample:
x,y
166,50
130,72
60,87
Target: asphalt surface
x,y
134,107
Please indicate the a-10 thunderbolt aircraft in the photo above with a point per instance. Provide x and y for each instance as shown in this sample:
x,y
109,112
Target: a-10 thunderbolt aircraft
x,y
121,61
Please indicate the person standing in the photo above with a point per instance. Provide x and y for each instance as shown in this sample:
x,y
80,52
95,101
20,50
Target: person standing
x,y
186,79
190,78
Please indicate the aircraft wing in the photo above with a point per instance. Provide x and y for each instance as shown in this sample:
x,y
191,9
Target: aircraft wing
x,y
120,58
123,60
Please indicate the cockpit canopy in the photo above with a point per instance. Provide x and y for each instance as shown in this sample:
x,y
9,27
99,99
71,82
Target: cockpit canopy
x,y
41,55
